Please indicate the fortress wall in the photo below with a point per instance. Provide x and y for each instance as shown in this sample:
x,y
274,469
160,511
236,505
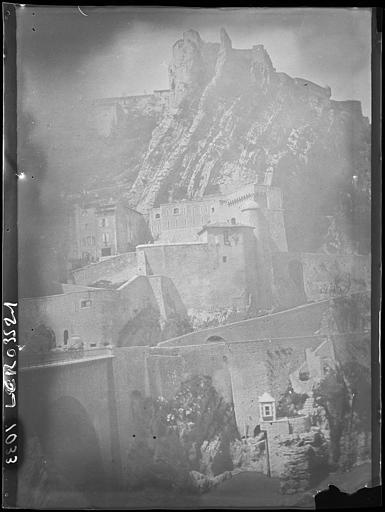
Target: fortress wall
x,y
105,118
287,292
241,372
210,360
134,296
124,264
156,285
185,264
96,322
299,321
106,109
168,297
284,357
93,324
276,225
324,276
165,375
179,235
129,375
202,279
313,88
69,287
257,367
250,379
352,106
274,198
327,274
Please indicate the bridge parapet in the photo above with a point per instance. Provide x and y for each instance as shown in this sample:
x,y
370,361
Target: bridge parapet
x,y
30,360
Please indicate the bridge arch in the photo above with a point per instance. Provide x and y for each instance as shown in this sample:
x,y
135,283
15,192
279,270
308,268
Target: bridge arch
x,y
71,445
215,339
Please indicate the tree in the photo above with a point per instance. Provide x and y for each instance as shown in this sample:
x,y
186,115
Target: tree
x,y
332,394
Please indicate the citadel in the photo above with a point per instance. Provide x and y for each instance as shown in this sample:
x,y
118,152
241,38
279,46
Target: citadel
x,y
199,288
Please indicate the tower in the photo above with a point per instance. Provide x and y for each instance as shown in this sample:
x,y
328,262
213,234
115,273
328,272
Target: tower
x,y
252,215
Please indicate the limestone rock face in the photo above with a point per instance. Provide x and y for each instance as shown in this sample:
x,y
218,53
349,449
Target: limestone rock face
x,y
299,460
183,442
232,118
189,70
250,454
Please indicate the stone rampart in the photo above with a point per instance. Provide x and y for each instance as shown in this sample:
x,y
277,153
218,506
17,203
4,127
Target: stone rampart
x,y
115,269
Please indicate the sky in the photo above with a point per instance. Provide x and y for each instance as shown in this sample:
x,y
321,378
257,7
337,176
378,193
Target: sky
x,y
97,52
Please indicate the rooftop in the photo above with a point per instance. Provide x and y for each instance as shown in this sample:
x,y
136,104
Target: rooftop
x,y
224,225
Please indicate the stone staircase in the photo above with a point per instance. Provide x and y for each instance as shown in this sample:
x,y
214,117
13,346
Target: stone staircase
x,y
308,407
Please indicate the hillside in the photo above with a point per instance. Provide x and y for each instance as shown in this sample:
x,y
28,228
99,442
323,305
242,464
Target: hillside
x,y
233,119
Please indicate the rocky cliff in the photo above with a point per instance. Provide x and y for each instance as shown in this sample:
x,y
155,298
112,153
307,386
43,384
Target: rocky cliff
x,y
232,119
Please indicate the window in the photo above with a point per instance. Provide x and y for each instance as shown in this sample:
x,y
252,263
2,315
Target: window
x,y
103,222
65,337
92,240
157,215
233,221
92,345
175,211
267,410
224,259
212,209
89,240
106,251
226,238
85,303
106,238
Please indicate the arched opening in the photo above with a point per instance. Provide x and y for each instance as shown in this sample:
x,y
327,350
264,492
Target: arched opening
x,y
65,337
71,447
215,339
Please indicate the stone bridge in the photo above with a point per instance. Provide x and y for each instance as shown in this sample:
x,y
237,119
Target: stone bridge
x,y
77,410
69,421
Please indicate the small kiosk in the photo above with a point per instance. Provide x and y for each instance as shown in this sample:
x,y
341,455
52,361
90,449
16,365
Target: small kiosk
x,y
267,407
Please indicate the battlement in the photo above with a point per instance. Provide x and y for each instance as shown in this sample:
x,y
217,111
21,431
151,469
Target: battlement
x,y
127,100
353,106
314,88
109,112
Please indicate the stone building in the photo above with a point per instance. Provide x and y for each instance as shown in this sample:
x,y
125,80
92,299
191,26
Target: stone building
x,y
217,272
181,221
131,313
101,229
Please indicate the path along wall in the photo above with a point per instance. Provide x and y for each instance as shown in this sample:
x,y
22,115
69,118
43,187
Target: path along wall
x,y
303,320
299,321
117,268
303,277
